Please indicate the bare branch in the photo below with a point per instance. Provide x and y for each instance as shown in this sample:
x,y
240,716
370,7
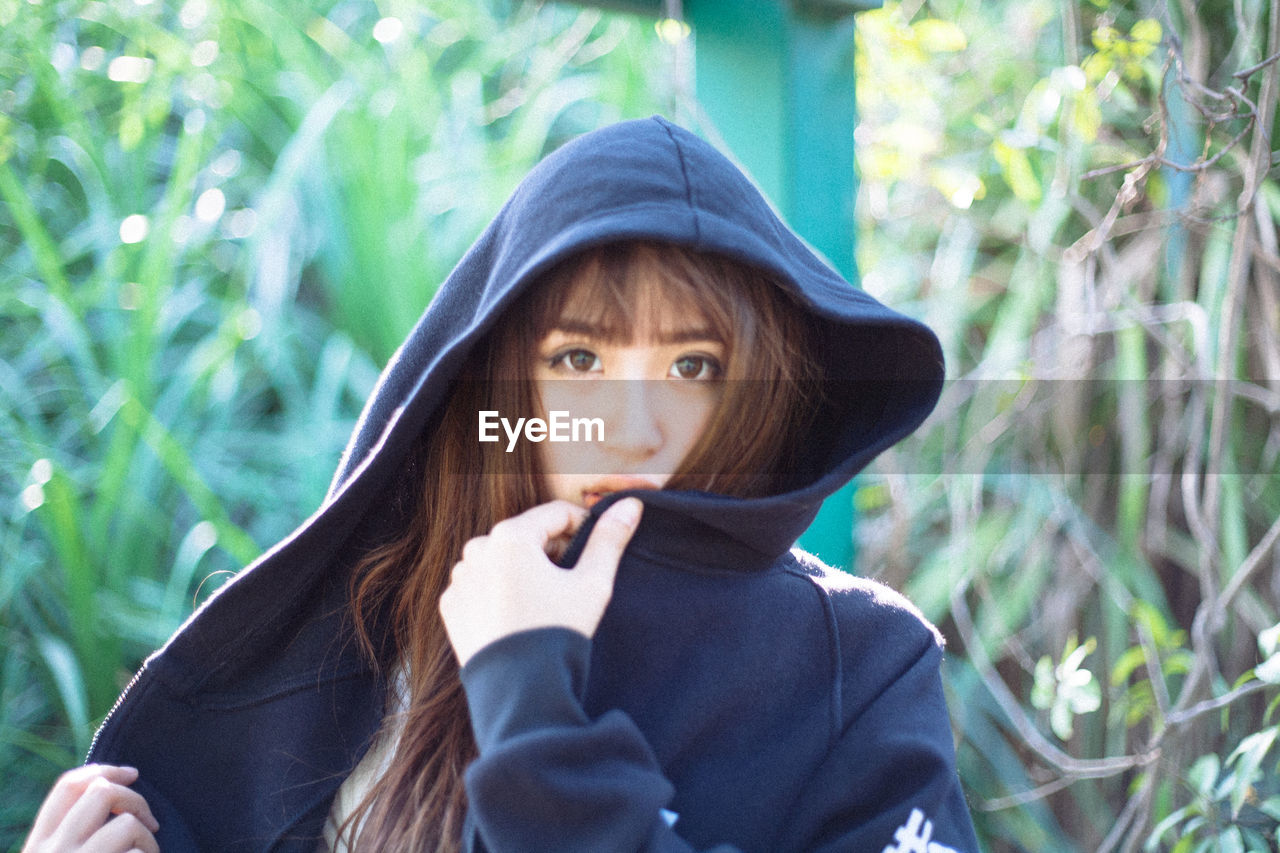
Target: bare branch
x,y
1254,69
1155,671
1153,160
1068,765
1214,602
1208,706
1243,574
1024,797
1232,95
1147,162
1140,799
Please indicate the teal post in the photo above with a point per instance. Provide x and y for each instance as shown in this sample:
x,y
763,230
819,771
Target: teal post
x,y
778,84
777,81
776,78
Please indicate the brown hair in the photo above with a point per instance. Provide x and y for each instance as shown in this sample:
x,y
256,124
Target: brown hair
x,y
745,449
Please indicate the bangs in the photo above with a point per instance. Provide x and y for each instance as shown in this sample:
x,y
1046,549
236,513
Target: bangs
x,y
625,291
621,289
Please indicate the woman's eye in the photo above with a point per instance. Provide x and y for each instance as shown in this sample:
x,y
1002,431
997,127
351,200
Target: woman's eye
x,y
577,361
695,367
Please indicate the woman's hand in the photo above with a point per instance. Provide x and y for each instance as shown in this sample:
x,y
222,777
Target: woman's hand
x,y
506,583
93,809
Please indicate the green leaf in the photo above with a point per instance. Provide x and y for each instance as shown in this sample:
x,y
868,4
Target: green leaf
x,y
1086,116
1017,170
1158,832
1126,664
1230,841
1269,641
1269,670
34,232
1204,773
1105,38
64,669
1247,757
1043,690
939,36
1254,841
1147,30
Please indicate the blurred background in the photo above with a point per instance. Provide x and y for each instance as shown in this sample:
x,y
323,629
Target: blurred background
x,y
219,217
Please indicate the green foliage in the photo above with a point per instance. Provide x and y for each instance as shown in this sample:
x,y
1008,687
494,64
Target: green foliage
x,y
1078,197
1269,648
1217,817
217,219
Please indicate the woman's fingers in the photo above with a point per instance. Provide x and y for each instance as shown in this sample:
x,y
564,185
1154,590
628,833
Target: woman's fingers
x,y
69,788
542,524
609,538
101,799
124,833
93,808
505,583
538,528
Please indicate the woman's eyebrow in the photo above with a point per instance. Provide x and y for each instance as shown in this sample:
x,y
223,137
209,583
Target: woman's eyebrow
x,y
578,327
686,336
663,336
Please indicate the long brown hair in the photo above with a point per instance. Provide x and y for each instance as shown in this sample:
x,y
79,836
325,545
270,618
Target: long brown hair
x,y
770,382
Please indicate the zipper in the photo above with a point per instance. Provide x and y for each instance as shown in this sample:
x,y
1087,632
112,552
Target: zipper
x,y
124,696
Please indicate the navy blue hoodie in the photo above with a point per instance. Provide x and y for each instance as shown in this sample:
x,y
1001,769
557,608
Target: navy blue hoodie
x,y
738,695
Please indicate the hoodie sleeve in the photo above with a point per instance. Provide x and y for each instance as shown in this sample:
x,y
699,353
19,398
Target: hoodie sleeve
x,y
889,783
548,777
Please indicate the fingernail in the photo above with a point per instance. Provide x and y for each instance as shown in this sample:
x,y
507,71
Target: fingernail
x,y
628,511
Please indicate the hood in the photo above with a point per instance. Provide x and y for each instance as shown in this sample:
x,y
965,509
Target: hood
x,y
650,179
255,710
637,179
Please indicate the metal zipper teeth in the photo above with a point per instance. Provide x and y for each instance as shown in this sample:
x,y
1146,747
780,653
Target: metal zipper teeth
x,y
120,700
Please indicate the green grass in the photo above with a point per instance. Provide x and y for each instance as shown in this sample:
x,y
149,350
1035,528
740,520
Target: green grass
x,y
204,260
171,404
1091,477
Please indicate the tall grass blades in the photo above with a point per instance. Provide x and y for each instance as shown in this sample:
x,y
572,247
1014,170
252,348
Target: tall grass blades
x,y
1092,512
217,218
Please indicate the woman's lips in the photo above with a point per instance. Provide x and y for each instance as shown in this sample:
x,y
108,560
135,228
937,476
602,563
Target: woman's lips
x,y
608,485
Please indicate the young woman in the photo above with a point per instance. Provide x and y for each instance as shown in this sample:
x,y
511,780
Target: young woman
x,y
414,669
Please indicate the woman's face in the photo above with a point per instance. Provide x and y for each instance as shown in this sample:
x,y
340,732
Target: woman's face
x,y
651,393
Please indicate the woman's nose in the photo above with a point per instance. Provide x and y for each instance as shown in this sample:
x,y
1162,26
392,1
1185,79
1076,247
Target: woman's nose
x,y
636,422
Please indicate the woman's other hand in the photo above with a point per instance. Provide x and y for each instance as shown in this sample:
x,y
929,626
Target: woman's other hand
x,y
506,583
93,809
